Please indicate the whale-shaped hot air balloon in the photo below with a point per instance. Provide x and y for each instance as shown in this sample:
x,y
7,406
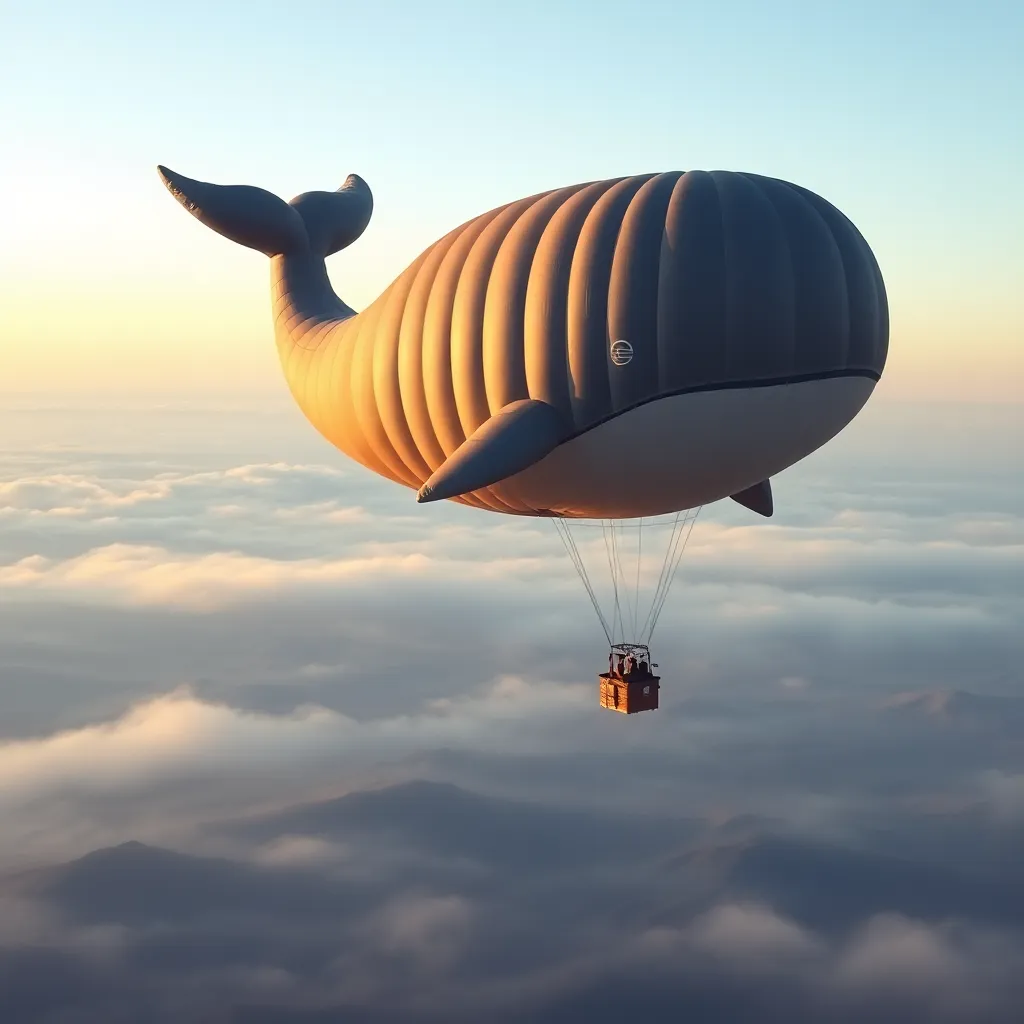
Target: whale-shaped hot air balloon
x,y
613,350
694,333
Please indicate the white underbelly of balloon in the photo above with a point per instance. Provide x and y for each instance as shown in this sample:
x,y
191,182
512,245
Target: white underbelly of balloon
x,y
687,450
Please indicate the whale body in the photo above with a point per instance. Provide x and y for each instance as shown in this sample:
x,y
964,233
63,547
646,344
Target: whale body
x,y
612,349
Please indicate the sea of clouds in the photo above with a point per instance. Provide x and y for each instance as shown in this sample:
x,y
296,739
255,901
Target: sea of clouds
x,y
277,743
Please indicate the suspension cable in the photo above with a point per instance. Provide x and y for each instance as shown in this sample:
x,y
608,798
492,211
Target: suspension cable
x,y
621,574
680,530
609,544
668,573
568,542
669,549
685,533
577,560
639,558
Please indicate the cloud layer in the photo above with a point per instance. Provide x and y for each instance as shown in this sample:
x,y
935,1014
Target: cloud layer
x,y
220,639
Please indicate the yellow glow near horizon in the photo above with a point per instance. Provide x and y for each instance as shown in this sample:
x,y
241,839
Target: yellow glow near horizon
x,y
207,328
106,285
136,298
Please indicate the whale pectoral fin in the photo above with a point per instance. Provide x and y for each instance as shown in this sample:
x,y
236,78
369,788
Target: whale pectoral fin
x,y
516,437
757,498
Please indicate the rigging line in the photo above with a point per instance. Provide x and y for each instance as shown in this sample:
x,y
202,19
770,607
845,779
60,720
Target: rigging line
x,y
636,588
669,579
620,580
622,577
608,558
620,556
586,579
684,537
670,546
656,599
590,588
662,588
615,578
577,560
650,523
679,558
609,543
574,556
639,557
669,567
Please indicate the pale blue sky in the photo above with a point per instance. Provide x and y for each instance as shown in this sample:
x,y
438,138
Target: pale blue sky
x,y
907,115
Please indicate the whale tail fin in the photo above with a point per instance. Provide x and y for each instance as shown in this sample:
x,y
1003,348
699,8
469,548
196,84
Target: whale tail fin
x,y
317,222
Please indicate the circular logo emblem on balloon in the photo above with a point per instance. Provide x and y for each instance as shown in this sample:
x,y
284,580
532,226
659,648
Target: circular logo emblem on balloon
x,y
621,352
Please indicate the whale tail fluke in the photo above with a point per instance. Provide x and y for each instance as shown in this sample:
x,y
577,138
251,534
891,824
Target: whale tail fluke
x,y
317,222
334,220
250,216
